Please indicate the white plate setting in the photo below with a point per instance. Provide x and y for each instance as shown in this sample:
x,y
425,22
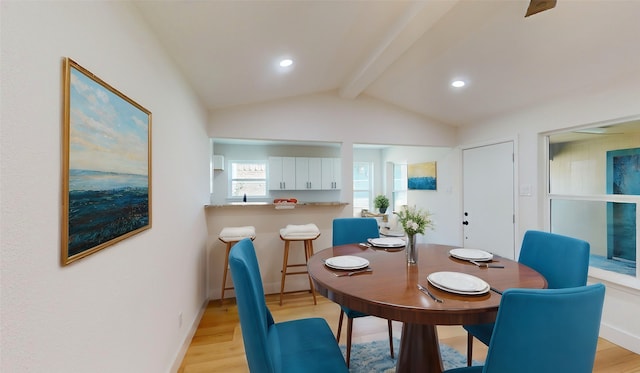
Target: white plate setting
x,y
389,233
471,254
459,283
387,242
347,262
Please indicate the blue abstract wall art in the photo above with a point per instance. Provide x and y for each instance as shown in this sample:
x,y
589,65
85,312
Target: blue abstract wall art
x,y
623,177
422,176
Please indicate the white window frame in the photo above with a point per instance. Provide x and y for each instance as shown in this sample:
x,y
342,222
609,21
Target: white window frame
x,y
370,185
614,277
403,189
231,179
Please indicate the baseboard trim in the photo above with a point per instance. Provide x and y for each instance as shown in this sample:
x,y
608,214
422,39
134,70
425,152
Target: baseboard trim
x,y
620,337
187,341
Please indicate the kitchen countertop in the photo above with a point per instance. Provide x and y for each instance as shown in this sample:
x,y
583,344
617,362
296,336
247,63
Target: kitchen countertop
x,y
278,205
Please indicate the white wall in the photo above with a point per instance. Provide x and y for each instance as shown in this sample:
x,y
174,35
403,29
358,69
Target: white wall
x,y
620,99
116,310
445,203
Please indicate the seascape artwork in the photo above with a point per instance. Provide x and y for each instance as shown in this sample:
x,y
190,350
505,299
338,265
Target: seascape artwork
x,y
104,206
107,180
422,176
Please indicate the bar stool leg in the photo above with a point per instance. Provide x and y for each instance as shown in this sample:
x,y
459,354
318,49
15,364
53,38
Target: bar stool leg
x,y
226,269
308,252
285,261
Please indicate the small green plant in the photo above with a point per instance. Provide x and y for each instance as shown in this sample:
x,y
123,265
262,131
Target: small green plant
x,y
381,202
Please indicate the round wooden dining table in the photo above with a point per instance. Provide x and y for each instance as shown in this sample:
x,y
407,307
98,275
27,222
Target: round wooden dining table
x,y
390,291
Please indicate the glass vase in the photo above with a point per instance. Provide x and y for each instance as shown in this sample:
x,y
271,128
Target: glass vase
x,y
412,249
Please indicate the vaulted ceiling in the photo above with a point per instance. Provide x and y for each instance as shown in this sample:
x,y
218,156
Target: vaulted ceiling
x,y
402,52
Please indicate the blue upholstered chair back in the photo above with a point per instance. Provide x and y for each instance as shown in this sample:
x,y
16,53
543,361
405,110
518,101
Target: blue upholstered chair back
x,y
354,230
548,330
255,317
562,260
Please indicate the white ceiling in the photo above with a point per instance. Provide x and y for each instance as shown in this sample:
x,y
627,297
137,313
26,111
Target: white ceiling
x,y
401,52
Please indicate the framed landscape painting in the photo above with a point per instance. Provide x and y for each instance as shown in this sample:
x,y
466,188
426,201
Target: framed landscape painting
x,y
106,167
422,176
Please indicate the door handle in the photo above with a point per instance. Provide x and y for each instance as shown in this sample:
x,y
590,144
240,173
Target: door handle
x,y
465,223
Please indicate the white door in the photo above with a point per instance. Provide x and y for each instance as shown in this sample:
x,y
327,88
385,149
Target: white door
x,y
488,198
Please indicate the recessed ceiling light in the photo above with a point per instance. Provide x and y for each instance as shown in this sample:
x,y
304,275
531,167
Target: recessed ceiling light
x,y
458,83
286,62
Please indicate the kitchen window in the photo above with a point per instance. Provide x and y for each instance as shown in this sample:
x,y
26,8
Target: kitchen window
x,y
248,178
362,187
399,186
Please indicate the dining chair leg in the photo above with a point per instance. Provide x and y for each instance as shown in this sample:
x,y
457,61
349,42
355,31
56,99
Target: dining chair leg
x,y
390,338
349,326
340,326
469,348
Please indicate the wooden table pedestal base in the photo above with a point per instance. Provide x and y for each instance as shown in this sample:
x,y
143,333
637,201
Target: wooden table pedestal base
x,y
419,350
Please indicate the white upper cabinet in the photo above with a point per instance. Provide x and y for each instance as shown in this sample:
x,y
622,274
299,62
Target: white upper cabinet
x,y
308,173
282,173
304,173
331,173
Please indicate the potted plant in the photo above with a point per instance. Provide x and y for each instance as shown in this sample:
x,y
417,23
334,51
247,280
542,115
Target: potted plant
x,y
414,221
381,202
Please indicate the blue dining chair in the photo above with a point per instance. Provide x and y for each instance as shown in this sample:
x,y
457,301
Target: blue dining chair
x,y
304,345
348,231
562,260
544,330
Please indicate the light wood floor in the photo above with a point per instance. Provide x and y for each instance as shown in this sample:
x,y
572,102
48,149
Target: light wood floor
x,y
217,345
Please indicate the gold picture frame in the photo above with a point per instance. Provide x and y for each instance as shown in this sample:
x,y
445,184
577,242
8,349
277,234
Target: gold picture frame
x,y
106,165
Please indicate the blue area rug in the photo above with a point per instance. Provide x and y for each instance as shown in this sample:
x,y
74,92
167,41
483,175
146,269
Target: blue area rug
x,y
374,357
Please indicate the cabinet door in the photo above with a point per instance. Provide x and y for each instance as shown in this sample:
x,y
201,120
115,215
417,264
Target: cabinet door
x,y
315,173
331,173
302,173
308,173
288,173
275,173
337,173
282,173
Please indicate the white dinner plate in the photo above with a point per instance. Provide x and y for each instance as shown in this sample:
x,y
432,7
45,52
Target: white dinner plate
x,y
390,233
347,262
471,254
387,242
460,283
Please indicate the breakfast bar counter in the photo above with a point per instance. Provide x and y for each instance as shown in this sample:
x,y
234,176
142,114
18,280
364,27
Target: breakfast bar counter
x,y
267,218
276,205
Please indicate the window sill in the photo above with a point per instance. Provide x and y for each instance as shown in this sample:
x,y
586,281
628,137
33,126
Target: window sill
x,y
624,282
